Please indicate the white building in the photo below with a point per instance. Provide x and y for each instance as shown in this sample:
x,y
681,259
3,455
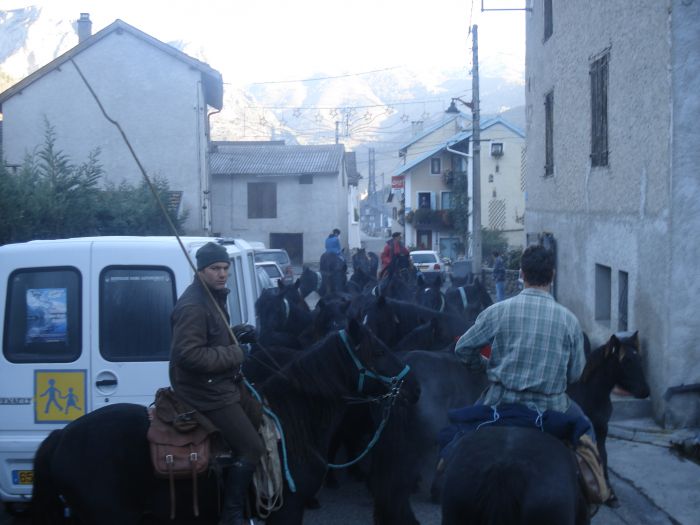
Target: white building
x,y
158,95
288,197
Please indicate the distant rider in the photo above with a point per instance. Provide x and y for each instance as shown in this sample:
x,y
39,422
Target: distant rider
x,y
392,248
333,244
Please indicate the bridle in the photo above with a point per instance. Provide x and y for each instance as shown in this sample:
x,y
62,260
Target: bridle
x,y
394,382
388,399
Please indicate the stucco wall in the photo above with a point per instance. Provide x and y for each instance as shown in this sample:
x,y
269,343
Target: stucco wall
x,y
683,361
312,209
156,99
639,214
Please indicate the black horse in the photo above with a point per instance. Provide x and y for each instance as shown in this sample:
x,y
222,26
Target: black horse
x,y
512,476
333,273
468,299
616,363
283,316
368,262
309,281
99,464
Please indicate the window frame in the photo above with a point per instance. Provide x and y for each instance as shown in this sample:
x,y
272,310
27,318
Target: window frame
x,y
599,74
74,322
548,19
549,134
102,345
261,208
435,166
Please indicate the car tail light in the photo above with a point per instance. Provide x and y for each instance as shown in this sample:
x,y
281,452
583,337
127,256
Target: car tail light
x,y
436,266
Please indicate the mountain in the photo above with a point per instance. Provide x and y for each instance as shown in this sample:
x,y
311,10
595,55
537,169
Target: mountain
x,y
368,110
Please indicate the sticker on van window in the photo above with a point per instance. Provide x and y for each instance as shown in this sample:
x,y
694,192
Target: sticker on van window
x,y
59,395
47,315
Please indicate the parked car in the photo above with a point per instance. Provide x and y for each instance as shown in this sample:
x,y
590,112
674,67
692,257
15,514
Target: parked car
x,y
429,263
280,257
272,270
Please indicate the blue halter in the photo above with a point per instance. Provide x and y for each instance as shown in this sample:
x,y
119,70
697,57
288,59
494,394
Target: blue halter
x,y
364,372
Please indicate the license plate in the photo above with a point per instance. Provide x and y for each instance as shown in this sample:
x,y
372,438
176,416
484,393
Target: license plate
x,y
22,477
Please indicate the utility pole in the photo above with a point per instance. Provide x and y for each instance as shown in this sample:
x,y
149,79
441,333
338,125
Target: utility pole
x,y
337,131
476,157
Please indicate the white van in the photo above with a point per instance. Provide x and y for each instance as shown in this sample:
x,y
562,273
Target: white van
x,y
85,323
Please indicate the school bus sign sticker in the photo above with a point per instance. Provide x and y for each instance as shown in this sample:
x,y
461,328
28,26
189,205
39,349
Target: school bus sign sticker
x,y
59,395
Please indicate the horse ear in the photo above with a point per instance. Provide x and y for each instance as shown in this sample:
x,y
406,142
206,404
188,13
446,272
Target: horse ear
x,y
612,345
280,284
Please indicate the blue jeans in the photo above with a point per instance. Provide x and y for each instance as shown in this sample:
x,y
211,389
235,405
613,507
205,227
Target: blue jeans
x,y
500,291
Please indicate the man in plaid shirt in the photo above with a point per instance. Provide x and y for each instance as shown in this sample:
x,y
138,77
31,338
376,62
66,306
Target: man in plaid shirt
x,y
536,344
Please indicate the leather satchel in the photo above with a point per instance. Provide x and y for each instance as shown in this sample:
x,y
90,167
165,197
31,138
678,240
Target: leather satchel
x,y
180,447
591,471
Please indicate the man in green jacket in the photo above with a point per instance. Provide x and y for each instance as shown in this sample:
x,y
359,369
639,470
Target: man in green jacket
x,y
205,371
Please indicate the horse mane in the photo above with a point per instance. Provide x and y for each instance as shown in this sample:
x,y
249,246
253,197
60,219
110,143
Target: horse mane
x,y
304,390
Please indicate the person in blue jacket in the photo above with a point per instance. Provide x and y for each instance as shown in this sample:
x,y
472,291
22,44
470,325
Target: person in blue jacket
x,y
333,243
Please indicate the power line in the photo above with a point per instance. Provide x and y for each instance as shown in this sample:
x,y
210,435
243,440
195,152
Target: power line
x,y
315,79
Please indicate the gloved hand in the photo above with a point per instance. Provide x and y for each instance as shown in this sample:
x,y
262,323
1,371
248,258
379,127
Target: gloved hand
x,y
245,333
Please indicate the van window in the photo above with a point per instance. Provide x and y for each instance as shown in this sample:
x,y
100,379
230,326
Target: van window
x,y
234,300
135,307
42,316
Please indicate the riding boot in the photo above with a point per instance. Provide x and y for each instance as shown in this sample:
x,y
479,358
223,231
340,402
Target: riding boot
x,y
235,491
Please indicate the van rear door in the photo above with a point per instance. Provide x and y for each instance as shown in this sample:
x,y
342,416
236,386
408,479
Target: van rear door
x,y
45,329
134,293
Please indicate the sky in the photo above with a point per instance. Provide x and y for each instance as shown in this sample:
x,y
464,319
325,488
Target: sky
x,y
276,40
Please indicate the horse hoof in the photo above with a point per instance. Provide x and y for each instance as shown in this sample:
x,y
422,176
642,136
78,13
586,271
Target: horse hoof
x,y
312,503
613,502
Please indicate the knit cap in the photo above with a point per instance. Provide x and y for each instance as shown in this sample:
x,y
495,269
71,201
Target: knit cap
x,y
211,253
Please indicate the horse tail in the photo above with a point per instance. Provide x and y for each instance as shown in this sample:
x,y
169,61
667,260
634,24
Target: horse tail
x,y
46,506
500,495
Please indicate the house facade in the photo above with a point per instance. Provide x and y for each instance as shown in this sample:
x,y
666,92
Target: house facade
x,y
287,197
613,97
159,96
428,179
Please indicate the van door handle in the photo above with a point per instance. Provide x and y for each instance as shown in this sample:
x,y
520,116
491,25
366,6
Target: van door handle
x,y
106,382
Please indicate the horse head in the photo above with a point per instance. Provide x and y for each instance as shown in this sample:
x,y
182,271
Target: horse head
x,y
380,371
309,281
617,362
379,317
469,299
625,349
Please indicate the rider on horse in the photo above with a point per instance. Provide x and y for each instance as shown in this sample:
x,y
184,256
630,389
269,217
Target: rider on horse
x,y
205,372
333,244
393,248
536,345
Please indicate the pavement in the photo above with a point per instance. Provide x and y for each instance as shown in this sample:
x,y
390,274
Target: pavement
x,y
641,455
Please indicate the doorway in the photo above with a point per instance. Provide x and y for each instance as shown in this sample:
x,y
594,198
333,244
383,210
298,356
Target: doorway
x,y
293,243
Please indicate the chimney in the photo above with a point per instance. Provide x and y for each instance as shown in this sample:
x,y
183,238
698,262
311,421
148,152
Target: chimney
x,y
84,27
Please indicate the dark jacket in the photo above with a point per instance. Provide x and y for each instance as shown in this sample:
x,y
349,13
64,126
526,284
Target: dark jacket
x,y
499,269
203,360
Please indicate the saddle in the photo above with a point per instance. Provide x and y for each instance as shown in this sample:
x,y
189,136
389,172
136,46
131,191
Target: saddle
x,y
569,429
